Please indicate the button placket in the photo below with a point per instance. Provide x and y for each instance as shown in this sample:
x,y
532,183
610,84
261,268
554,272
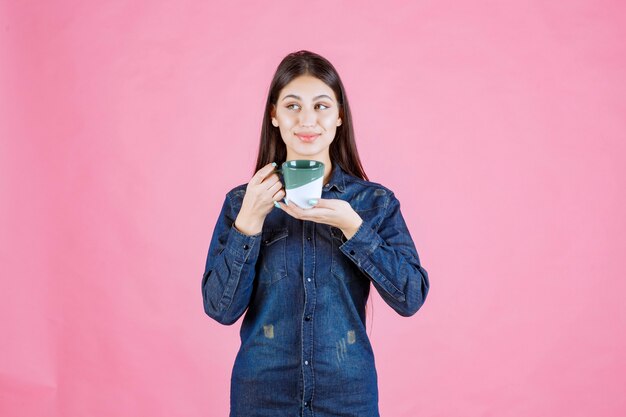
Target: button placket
x,y
308,271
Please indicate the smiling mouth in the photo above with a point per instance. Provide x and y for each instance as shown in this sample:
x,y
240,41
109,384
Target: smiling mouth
x,y
307,138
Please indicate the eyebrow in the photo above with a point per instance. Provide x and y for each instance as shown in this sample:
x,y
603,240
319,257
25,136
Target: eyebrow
x,y
300,98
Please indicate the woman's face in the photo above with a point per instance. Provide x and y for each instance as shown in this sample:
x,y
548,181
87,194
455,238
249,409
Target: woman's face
x,y
307,106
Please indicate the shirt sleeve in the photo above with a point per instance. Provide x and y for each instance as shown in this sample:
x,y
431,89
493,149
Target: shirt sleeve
x,y
230,268
389,257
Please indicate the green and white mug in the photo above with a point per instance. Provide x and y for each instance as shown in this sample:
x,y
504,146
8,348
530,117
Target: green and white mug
x,y
303,180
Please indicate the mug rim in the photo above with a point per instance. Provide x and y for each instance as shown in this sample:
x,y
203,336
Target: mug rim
x,y
318,164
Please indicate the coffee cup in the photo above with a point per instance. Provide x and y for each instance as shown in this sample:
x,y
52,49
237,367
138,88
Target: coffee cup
x,y
303,179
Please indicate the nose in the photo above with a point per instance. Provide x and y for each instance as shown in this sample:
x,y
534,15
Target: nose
x,y
308,117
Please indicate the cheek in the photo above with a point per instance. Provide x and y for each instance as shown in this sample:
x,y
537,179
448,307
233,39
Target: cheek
x,y
287,121
329,121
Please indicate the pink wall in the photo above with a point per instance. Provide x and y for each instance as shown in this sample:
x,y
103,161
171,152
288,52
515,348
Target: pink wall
x,y
123,124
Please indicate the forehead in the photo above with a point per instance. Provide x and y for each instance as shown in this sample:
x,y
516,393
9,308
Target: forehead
x,y
306,87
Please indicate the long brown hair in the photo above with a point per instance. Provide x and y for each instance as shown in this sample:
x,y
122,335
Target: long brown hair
x,y
343,147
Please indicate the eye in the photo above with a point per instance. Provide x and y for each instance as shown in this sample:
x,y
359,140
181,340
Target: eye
x,y
319,104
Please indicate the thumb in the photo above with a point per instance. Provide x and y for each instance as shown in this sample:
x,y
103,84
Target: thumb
x,y
318,202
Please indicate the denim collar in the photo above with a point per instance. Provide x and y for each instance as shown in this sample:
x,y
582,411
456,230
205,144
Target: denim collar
x,y
336,179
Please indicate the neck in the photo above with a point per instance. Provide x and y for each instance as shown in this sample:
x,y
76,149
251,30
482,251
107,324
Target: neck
x,y
328,170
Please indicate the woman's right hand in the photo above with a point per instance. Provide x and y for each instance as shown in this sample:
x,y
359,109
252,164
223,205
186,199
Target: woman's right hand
x,y
262,190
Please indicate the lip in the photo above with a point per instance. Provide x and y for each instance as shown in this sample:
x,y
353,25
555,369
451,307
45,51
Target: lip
x,y
307,137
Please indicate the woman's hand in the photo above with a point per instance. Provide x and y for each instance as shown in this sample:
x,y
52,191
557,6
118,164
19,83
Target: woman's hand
x,y
262,190
335,212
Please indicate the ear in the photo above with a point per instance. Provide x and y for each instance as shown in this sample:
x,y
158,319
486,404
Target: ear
x,y
339,122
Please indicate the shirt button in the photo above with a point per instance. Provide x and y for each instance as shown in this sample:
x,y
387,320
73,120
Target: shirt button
x,y
308,279
306,403
307,318
351,252
246,247
306,362
308,238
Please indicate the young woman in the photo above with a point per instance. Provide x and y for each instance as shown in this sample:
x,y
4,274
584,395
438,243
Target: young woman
x,y
304,275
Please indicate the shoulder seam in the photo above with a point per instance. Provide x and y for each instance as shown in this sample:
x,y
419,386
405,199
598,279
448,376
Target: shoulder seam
x,y
230,203
390,196
370,183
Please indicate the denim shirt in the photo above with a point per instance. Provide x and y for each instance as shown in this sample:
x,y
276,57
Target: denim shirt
x,y
304,347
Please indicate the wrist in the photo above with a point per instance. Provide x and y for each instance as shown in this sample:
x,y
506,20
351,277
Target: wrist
x,y
350,231
248,225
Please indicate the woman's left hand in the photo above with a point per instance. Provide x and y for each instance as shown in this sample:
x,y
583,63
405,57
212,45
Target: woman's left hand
x,y
335,212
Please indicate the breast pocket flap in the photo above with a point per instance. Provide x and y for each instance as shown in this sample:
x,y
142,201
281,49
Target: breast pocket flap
x,y
269,237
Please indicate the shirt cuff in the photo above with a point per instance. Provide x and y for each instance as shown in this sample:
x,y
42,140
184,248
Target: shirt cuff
x,y
244,247
362,243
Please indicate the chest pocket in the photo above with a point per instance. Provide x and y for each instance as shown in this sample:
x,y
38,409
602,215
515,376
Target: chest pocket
x,y
272,261
340,264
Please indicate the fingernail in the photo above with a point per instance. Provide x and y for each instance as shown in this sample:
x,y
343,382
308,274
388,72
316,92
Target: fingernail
x,y
276,204
274,163
313,201
286,201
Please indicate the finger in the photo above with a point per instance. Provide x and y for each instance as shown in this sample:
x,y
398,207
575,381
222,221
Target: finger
x,y
278,195
327,203
294,206
271,180
283,206
262,173
304,214
290,207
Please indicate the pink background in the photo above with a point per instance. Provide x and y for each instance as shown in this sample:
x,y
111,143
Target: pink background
x,y
500,125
